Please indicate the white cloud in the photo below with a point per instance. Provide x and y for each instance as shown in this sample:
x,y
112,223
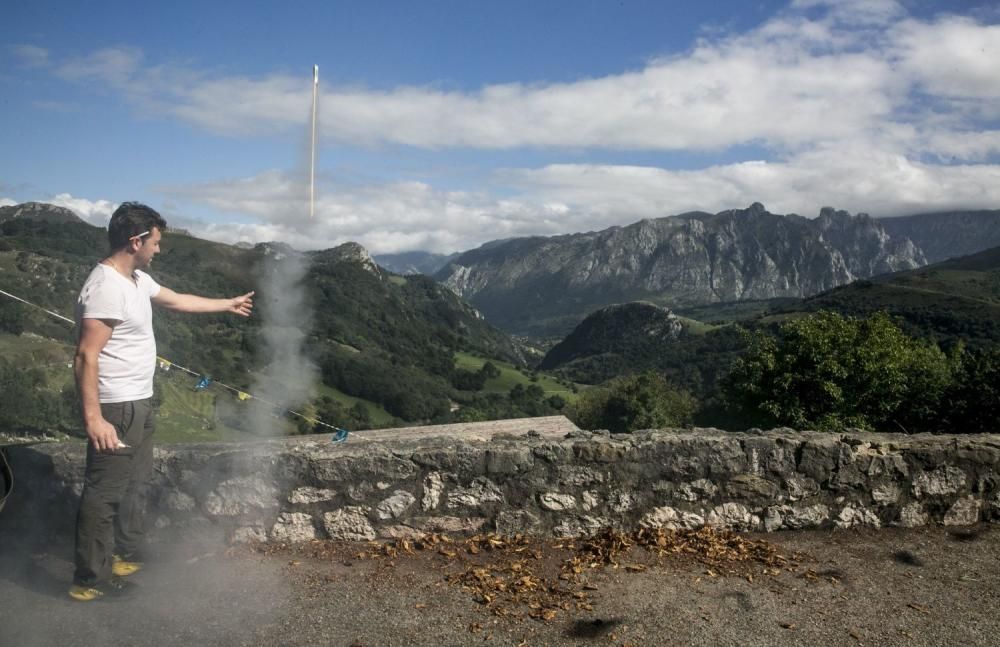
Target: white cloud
x,y
96,212
6,202
851,177
30,55
817,72
393,217
117,67
951,57
820,71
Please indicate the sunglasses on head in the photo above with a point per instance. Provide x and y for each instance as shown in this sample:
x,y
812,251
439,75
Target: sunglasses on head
x,y
139,236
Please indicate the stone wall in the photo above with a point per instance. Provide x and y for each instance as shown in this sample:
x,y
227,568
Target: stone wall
x,y
300,488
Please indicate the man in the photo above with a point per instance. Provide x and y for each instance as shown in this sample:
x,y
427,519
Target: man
x,y
114,365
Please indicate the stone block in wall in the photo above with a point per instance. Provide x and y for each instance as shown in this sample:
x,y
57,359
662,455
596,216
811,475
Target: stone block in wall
x,y
590,500
886,493
944,480
798,487
796,517
555,453
462,525
379,465
464,461
241,495
697,490
912,515
622,502
964,512
809,516
177,501
395,505
246,534
853,515
818,456
733,516
771,456
293,527
514,522
580,526
509,460
433,487
306,495
671,519
349,523
891,465
599,451
750,487
480,491
556,501
579,476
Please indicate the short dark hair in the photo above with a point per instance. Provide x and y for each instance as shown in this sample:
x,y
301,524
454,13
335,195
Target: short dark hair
x,y
131,219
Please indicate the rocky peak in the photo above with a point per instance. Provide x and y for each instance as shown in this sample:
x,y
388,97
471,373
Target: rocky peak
x,y
351,252
275,250
41,211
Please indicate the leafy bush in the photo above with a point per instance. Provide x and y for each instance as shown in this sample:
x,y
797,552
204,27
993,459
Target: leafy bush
x,y
632,402
826,371
971,404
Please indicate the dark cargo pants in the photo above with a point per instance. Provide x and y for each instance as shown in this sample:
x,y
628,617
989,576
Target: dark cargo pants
x,y
113,502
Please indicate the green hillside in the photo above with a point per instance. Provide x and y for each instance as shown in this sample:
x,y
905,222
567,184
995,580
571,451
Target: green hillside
x,y
512,376
955,300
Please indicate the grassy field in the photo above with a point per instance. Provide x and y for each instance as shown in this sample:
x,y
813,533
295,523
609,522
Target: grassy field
x,y
187,416
380,417
511,376
695,327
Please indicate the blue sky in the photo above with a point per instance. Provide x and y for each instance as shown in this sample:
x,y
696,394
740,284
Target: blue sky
x,y
446,124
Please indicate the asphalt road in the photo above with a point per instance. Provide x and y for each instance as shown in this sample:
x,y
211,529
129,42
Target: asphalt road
x,y
868,587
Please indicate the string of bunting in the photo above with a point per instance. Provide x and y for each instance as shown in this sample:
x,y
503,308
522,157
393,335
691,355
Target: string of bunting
x,y
204,380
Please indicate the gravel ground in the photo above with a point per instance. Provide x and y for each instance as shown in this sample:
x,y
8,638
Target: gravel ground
x,y
867,587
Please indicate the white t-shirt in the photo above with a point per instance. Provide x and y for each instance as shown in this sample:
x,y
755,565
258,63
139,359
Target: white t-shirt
x,y
126,365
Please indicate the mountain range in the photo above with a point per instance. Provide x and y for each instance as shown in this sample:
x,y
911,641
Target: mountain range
x,y
545,285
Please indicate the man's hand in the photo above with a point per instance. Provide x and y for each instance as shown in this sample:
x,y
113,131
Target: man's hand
x,y
242,305
103,436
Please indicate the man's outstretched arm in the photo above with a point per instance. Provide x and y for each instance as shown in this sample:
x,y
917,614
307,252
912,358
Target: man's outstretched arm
x,y
167,298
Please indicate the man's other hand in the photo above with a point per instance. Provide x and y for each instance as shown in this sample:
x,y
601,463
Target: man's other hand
x,y
103,436
242,305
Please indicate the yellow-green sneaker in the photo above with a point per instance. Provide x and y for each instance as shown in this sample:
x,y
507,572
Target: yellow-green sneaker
x,y
123,568
85,593
115,587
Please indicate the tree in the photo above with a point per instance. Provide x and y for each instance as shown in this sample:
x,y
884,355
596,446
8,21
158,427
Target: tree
x,y
633,402
12,316
490,371
826,371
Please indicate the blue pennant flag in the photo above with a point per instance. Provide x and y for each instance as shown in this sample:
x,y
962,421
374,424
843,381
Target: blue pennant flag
x,y
203,383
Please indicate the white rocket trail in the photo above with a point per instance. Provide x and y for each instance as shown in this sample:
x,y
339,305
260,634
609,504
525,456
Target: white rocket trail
x,y
312,160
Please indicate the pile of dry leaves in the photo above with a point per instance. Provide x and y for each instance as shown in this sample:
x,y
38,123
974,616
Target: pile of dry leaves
x,y
520,576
